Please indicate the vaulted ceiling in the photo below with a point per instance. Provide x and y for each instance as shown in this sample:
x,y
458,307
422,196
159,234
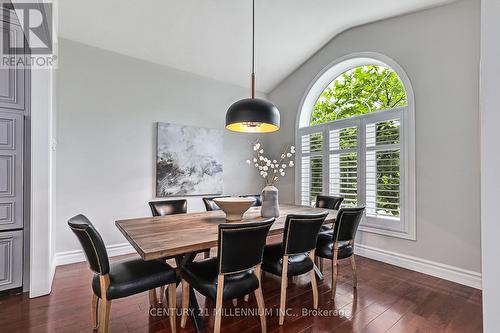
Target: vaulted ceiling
x,y
213,37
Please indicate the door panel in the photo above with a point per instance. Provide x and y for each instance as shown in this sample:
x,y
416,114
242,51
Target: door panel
x,y
11,171
11,259
7,134
12,78
6,175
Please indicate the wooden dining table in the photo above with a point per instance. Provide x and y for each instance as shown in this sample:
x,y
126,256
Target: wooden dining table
x,y
182,236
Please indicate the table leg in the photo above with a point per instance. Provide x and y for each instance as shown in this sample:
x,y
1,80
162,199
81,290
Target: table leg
x,y
194,308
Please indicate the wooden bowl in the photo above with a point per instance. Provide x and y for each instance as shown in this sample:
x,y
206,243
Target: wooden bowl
x,y
234,207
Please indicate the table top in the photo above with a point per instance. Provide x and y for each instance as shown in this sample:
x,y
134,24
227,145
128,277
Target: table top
x,y
166,236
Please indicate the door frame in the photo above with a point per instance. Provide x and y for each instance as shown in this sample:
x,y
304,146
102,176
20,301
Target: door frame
x,y
27,180
39,240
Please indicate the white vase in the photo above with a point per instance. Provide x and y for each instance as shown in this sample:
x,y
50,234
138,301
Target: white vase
x,y
270,205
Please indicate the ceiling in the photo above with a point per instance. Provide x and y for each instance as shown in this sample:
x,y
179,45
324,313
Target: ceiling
x,y
212,38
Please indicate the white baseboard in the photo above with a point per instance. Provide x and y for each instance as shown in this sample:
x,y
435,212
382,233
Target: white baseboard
x,y
71,257
443,271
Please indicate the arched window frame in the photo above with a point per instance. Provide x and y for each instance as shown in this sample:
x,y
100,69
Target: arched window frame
x,y
406,227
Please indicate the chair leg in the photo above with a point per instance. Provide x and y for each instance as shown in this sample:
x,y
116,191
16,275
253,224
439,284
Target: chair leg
x,y
334,278
321,265
171,305
207,254
262,309
95,305
152,298
185,303
104,320
334,269
284,283
105,305
218,303
354,272
260,302
314,285
161,295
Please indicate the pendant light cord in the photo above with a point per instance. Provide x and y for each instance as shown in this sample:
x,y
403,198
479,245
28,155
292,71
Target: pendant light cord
x,y
253,48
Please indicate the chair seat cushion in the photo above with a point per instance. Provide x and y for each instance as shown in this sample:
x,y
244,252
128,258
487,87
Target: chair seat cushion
x,y
132,276
273,260
202,276
324,247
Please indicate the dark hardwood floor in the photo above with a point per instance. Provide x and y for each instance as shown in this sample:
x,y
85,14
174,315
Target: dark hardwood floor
x,y
388,299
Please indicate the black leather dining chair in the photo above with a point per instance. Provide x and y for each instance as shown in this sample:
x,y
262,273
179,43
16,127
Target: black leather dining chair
x,y
168,207
210,205
120,278
233,273
328,202
295,255
339,243
257,197
171,207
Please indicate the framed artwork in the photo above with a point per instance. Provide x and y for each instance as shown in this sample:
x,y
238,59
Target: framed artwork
x,y
188,160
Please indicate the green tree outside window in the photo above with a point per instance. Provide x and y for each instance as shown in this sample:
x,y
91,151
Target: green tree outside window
x,y
359,91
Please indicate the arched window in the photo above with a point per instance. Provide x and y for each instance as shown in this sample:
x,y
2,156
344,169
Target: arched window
x,y
356,140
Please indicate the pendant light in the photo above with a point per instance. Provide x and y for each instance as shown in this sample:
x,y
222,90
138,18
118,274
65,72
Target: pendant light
x,y
253,115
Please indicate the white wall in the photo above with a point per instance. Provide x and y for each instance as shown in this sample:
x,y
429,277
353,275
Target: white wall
x,y
439,50
107,109
490,162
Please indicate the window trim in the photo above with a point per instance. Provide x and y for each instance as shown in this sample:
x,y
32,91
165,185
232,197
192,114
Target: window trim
x,y
408,190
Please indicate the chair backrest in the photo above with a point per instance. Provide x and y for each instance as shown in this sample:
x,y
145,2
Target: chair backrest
x,y
91,242
241,245
347,223
168,207
257,197
328,202
210,205
301,232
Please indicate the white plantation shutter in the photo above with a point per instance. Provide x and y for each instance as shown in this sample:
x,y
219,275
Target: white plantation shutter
x,y
383,183
311,168
363,160
305,181
343,145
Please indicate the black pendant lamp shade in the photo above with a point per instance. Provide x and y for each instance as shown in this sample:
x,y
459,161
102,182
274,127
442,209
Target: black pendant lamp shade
x,y
253,115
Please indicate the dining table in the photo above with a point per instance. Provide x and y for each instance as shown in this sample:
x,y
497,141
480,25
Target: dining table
x,y
183,236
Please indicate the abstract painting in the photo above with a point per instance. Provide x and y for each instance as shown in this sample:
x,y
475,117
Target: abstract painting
x,y
189,160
